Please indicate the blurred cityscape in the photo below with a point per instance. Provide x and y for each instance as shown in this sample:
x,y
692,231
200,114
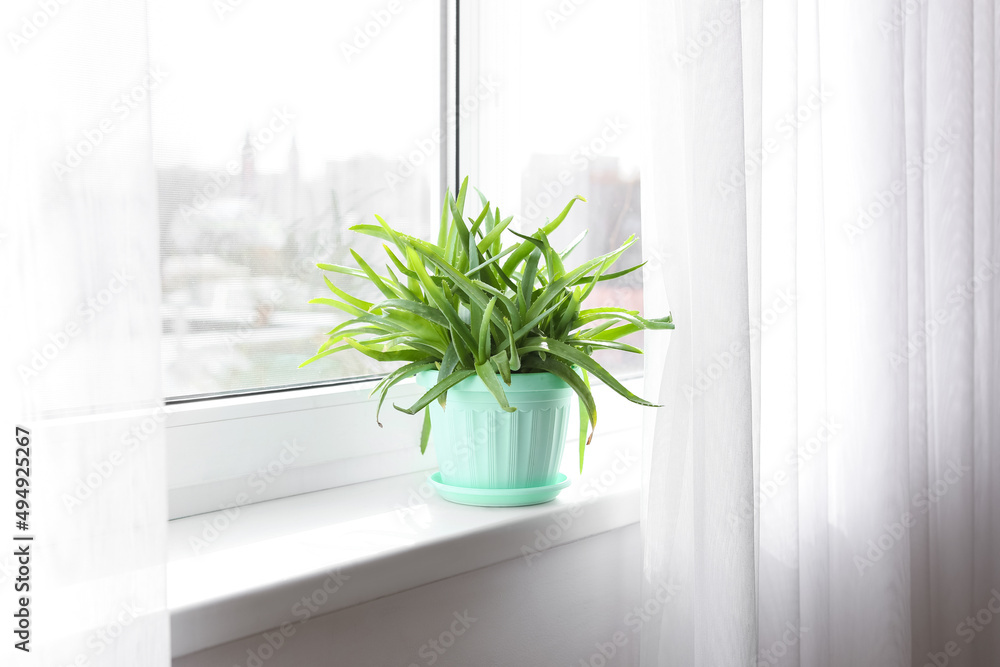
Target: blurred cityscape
x,y
239,249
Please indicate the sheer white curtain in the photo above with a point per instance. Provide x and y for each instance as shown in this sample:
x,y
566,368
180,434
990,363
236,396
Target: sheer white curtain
x,y
80,273
820,210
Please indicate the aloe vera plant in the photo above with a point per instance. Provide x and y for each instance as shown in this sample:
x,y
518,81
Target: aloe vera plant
x,y
471,305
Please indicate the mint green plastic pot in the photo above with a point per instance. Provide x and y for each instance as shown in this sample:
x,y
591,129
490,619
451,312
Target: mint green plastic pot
x,y
480,446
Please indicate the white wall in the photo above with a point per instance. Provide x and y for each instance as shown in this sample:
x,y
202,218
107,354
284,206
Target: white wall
x,y
550,613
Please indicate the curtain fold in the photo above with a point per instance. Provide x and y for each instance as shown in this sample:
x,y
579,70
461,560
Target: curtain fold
x,y
822,183
79,240
696,480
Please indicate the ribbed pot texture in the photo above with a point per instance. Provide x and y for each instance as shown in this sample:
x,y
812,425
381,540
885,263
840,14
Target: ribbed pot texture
x,y
480,446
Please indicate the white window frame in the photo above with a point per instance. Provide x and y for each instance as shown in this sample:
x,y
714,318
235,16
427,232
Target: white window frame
x,y
235,450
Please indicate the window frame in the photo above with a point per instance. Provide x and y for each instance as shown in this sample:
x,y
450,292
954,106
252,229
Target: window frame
x,y
232,449
229,450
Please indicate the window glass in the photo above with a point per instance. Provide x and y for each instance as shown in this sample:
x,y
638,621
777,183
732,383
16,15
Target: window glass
x,y
276,126
564,121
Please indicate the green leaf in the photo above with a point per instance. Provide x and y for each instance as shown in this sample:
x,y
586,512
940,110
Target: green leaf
x,y
385,355
555,288
373,277
604,345
354,301
550,227
530,239
372,230
573,244
526,328
391,232
433,351
458,224
381,338
435,391
484,330
398,263
624,330
336,268
402,290
571,355
568,315
443,227
325,353
346,307
411,277
425,431
460,200
612,276
511,309
482,216
429,313
489,378
515,359
475,322
502,222
495,258
448,363
502,364
409,370
498,272
576,383
466,285
527,285
494,234
459,329
553,264
584,440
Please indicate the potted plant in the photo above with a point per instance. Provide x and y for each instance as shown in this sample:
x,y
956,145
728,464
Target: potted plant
x,y
498,337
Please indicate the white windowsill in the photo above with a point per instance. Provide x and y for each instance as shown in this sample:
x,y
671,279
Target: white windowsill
x,y
254,575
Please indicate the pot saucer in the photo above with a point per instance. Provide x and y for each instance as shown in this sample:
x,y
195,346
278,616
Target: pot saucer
x,y
499,497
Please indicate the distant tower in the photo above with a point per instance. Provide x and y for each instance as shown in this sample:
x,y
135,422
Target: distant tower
x,y
249,182
293,180
293,163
